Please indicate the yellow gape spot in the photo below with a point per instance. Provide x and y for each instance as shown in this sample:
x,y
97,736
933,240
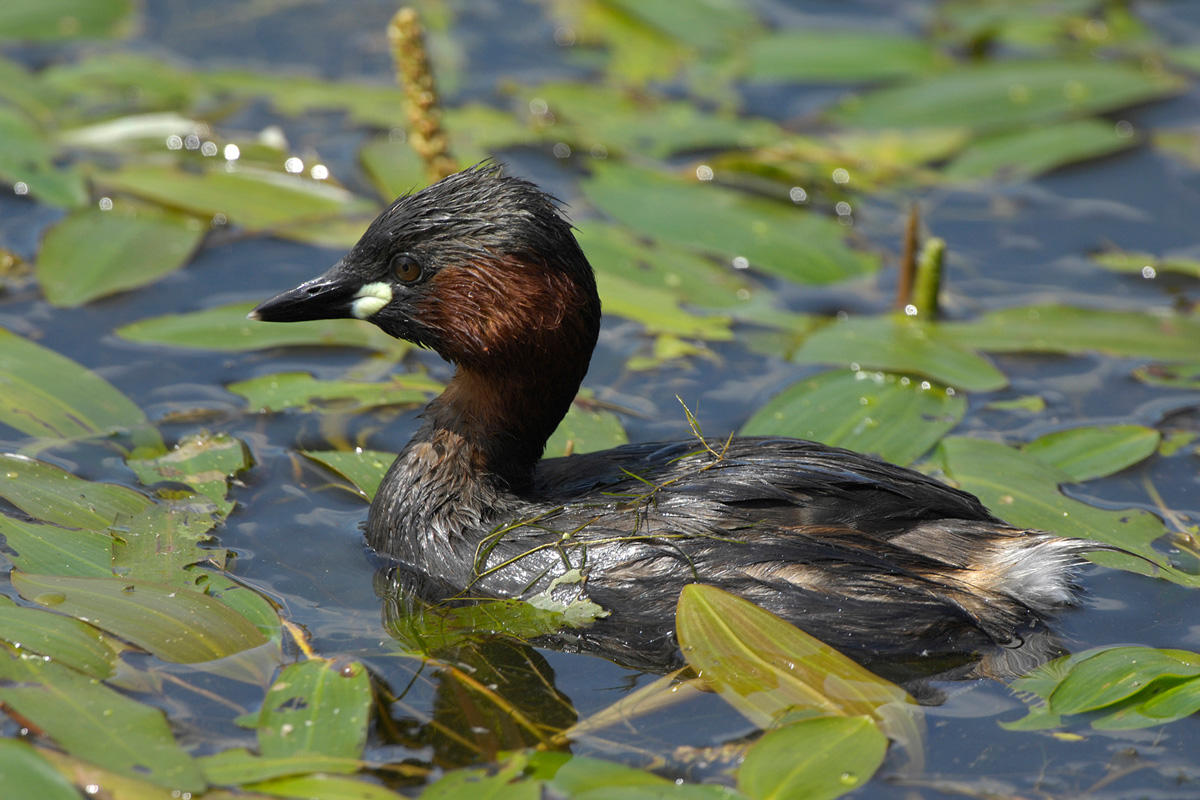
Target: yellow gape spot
x,y
369,299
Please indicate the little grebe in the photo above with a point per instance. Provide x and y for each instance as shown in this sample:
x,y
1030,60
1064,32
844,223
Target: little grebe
x,y
865,555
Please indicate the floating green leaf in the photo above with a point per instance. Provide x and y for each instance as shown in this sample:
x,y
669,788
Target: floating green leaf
x,y
28,157
837,56
52,494
252,198
363,468
302,391
776,238
157,544
1022,489
51,550
46,394
585,429
204,462
226,328
62,639
706,24
895,418
817,759
238,596
25,773
1024,154
898,344
658,310
1176,376
593,779
1086,453
1063,329
1116,674
316,707
93,253
81,714
176,625
326,787
763,667
1145,264
595,116
62,19
378,105
1007,94
238,766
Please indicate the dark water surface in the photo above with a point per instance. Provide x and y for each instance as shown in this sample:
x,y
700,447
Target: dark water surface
x,y
296,534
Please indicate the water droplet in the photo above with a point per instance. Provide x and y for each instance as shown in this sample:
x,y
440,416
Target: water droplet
x,y
49,598
848,779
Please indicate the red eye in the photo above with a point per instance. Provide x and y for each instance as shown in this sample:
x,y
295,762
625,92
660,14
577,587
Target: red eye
x,y
406,268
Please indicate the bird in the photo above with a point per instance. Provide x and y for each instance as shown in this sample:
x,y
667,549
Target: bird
x,y
876,560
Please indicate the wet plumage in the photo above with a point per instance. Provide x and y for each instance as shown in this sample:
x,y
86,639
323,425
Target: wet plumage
x,y
870,557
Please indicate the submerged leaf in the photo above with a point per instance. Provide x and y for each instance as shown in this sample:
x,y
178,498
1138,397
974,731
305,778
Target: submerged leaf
x,y
93,253
895,418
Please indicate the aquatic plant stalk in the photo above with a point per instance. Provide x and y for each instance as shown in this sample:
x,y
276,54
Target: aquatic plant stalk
x,y
426,136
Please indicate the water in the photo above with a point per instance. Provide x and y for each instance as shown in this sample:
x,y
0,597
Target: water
x,y
296,535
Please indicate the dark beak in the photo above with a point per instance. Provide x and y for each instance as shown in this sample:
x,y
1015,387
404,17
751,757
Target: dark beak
x,y
326,297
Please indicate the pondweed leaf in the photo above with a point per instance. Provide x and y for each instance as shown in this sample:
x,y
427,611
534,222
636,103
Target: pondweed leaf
x,y
898,344
1145,264
1123,688
1024,154
203,461
301,391
363,468
80,715
177,625
817,759
51,550
893,417
238,766
658,310
25,773
46,394
251,198
157,544
1093,452
1007,94
1022,489
93,253
316,707
226,328
776,238
817,55
28,158
765,667
1062,329
1176,376
52,494
706,24
67,641
63,19
585,429
326,787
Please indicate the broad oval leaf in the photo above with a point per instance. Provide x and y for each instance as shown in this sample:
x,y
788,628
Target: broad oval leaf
x,y
1086,453
1007,94
81,715
226,328
93,253
174,624
316,707
773,237
897,344
890,416
52,494
43,393
817,759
